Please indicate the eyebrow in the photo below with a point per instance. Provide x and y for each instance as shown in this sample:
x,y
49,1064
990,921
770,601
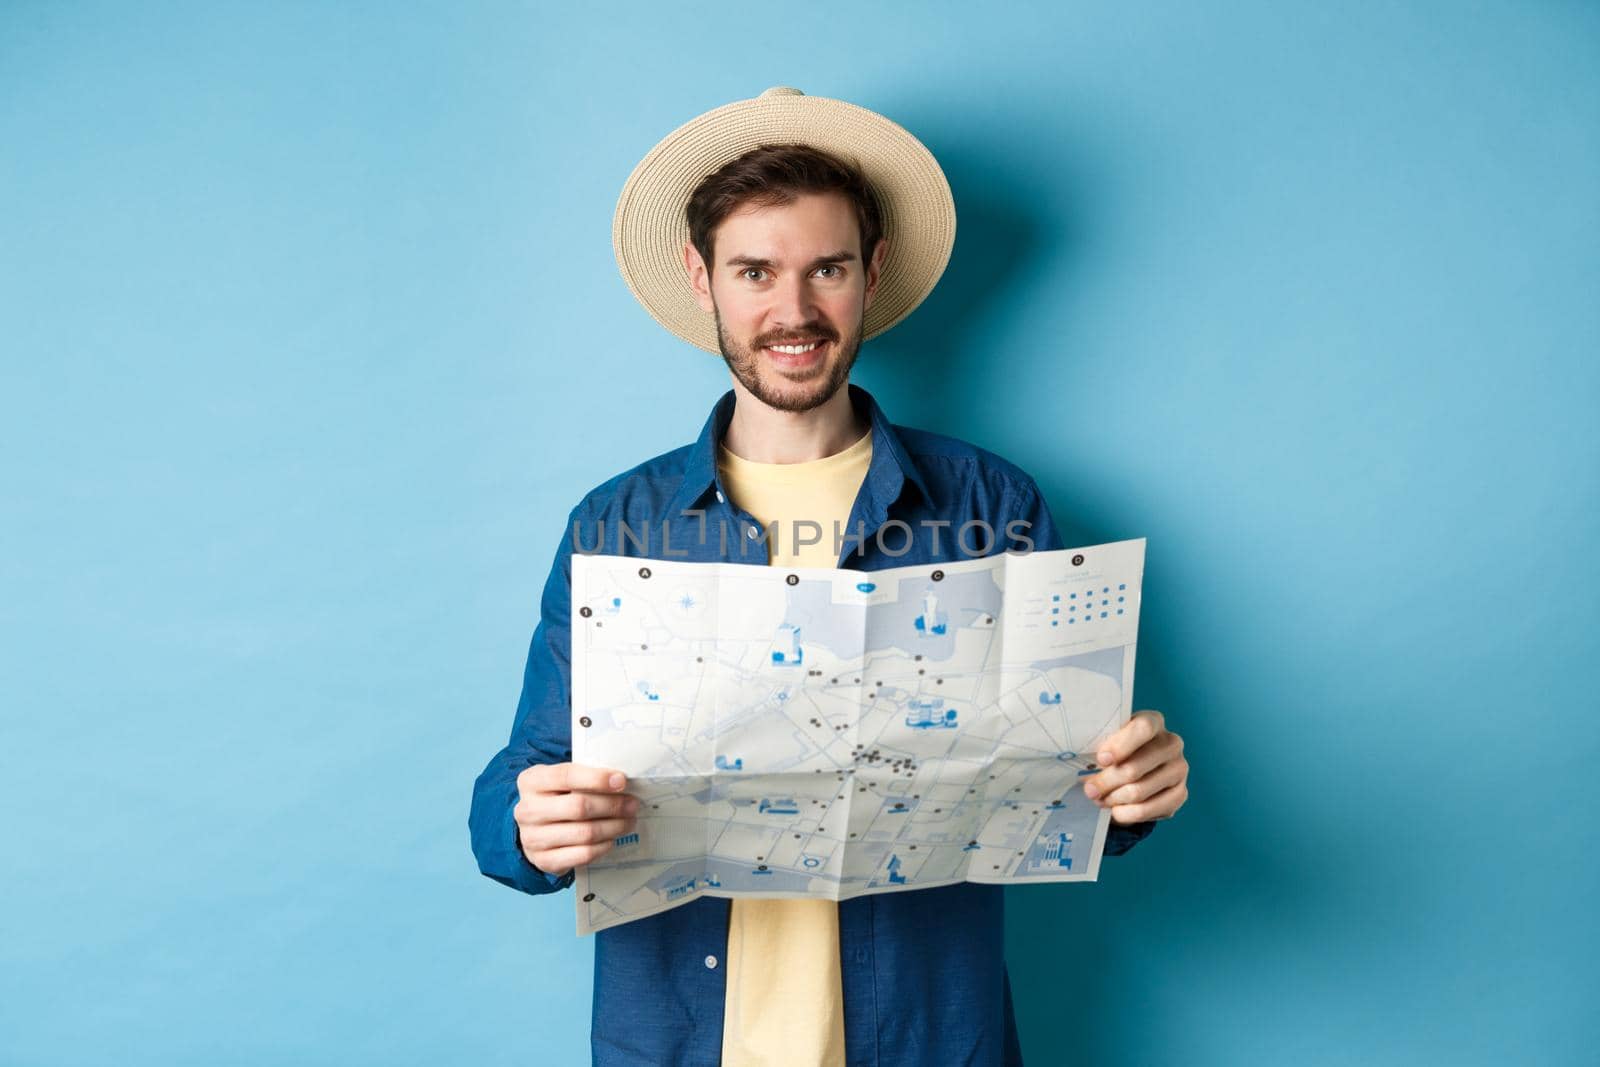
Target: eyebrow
x,y
767,264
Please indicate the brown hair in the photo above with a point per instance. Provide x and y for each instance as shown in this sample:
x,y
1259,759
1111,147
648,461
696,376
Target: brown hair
x,y
773,174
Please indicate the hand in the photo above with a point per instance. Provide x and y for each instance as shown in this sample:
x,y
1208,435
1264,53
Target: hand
x,y
1143,773
568,814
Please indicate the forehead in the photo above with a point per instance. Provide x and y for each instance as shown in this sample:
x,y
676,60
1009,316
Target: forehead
x,y
811,223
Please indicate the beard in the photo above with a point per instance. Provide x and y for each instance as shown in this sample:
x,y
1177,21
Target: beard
x,y
807,389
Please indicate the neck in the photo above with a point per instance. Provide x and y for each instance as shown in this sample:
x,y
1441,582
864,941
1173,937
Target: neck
x,y
763,434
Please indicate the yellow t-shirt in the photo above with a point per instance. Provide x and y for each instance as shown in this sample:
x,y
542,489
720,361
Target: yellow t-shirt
x,y
785,1004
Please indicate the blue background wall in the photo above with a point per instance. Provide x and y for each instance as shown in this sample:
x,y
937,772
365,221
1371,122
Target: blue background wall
x,y
310,333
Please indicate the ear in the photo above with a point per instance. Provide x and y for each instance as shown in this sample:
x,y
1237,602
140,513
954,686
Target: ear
x,y
699,277
874,269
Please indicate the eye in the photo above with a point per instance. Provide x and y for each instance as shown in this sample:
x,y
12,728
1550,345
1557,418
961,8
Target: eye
x,y
749,271
837,270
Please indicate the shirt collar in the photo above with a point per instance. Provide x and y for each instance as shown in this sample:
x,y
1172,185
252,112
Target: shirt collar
x,y
890,469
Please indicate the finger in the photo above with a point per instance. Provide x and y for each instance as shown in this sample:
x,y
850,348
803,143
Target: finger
x,y
1168,774
561,860
562,777
1161,806
581,807
1143,726
562,834
1163,749
539,809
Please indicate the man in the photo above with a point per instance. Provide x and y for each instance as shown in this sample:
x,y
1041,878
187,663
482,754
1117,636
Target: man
x,y
783,255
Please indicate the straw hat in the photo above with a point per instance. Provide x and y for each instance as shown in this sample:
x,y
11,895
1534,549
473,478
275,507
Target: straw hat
x,y
650,227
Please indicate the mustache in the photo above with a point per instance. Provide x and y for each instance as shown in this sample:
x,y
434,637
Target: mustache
x,y
800,337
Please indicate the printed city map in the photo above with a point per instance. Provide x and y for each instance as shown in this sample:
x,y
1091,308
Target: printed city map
x,y
809,732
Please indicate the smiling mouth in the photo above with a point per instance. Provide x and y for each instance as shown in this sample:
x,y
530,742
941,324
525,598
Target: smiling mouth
x,y
797,359
798,349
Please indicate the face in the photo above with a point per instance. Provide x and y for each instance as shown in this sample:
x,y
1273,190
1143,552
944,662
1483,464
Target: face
x,y
790,275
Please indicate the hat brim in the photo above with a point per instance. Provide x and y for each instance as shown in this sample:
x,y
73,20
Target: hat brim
x,y
650,229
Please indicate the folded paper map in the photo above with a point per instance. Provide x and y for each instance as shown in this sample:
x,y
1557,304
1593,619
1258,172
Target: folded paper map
x,y
818,732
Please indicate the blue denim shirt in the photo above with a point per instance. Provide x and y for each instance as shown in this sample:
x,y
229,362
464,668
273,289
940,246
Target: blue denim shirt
x,y
923,972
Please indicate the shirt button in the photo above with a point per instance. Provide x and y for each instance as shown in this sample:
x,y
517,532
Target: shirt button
x,y
720,498
751,530
711,963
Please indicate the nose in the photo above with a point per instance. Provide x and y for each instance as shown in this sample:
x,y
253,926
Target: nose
x,y
793,304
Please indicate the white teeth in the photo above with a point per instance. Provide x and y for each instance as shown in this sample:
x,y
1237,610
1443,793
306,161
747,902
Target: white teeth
x,y
794,350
